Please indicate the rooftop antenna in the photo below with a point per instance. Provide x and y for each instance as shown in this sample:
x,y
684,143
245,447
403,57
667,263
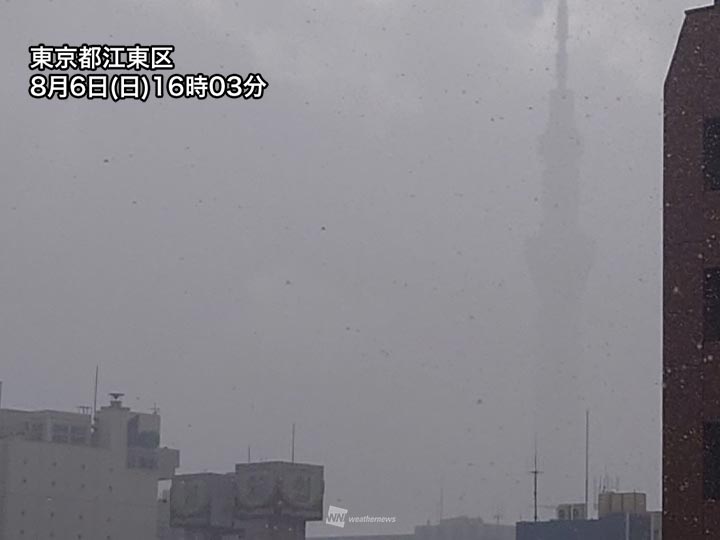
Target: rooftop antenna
x,y
587,463
535,472
248,453
442,501
97,373
292,446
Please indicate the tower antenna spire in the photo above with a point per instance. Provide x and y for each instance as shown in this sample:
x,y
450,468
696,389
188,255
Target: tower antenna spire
x,y
560,256
563,32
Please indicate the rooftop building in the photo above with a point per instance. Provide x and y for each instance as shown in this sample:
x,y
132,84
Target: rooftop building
x,y
622,516
65,476
464,528
270,500
613,527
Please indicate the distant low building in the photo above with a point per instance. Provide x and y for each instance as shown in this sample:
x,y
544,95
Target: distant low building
x,y
614,527
270,500
622,516
457,528
64,477
408,536
612,502
464,528
572,512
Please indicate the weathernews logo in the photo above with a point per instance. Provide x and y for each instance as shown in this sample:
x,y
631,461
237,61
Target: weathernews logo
x,y
336,516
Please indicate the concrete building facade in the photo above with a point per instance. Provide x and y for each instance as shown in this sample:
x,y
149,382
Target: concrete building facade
x,y
691,282
612,502
269,500
64,477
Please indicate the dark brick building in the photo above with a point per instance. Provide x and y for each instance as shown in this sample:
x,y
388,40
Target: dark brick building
x,y
691,304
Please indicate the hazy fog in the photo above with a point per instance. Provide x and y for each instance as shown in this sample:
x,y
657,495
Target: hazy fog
x,y
348,253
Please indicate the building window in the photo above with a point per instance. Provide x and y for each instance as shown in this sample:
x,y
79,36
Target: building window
x,y
61,433
37,431
711,154
78,435
711,461
712,304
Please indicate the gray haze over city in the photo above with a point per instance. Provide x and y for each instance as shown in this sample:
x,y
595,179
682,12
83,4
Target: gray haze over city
x,y
349,252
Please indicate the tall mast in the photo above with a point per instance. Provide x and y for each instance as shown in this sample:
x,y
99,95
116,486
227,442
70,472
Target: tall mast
x,y
535,473
587,463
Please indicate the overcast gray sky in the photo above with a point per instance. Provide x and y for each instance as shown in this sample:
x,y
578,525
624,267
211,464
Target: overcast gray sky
x,y
348,252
